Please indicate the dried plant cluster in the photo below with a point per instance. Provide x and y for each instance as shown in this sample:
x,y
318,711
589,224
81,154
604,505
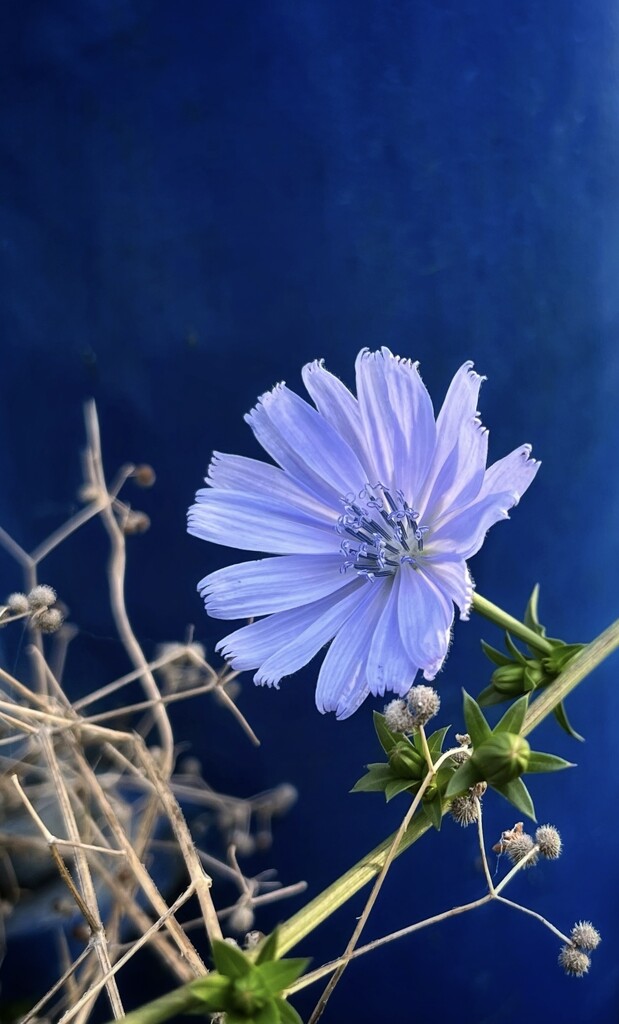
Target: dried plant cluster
x,y
95,799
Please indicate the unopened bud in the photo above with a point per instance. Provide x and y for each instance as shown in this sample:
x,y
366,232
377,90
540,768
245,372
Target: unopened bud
x,y
504,756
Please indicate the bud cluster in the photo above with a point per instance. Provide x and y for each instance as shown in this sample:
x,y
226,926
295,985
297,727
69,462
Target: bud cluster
x,y
573,957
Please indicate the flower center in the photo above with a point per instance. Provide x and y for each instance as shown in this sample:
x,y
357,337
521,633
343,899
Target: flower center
x,y
381,532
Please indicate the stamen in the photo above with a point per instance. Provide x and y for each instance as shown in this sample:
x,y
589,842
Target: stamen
x,y
384,532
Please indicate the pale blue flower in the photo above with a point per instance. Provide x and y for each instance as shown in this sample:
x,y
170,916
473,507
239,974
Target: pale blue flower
x,y
373,509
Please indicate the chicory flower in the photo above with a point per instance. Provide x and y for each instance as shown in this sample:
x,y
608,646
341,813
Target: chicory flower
x,y
373,509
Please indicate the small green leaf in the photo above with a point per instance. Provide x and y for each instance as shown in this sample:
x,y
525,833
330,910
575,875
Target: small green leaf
x,y
513,719
491,696
229,960
539,762
434,811
436,740
386,738
561,716
396,786
462,779
280,974
377,777
530,616
518,795
214,990
497,657
513,650
287,1013
269,1014
476,725
268,949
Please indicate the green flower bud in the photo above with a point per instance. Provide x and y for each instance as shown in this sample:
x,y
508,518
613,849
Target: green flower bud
x,y
509,679
405,761
501,758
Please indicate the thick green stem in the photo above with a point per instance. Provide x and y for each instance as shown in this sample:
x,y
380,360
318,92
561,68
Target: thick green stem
x,y
168,1007
500,618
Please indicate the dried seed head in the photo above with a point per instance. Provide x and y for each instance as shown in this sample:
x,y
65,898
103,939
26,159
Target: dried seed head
x,y
585,936
283,798
41,597
423,704
253,939
49,620
135,522
549,841
241,919
18,604
574,961
464,810
398,717
519,847
144,475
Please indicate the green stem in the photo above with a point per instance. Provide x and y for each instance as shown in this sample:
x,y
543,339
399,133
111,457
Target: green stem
x,y
491,611
168,1007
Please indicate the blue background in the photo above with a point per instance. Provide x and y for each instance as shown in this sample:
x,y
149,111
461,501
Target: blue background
x,y
197,198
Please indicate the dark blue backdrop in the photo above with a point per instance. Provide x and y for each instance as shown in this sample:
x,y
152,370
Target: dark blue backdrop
x,y
196,198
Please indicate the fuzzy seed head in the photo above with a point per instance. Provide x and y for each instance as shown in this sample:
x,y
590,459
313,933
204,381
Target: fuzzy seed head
x,y
574,961
41,597
585,936
549,841
464,810
253,939
49,620
518,847
398,718
423,704
18,604
134,523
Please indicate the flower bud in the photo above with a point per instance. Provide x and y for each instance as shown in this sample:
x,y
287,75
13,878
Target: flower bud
x,y
504,756
404,760
509,679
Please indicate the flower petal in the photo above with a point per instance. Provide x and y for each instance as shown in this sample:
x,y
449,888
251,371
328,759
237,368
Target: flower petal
x,y
342,682
271,585
303,646
425,615
461,475
255,523
454,579
309,448
237,473
338,407
462,531
379,420
458,435
250,646
389,666
415,437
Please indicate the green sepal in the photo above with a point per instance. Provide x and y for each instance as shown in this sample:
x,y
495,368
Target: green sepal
x,y
562,654
513,719
518,795
386,738
287,1013
434,811
466,776
377,777
561,716
476,725
268,948
539,762
280,974
269,1014
229,960
396,786
496,657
